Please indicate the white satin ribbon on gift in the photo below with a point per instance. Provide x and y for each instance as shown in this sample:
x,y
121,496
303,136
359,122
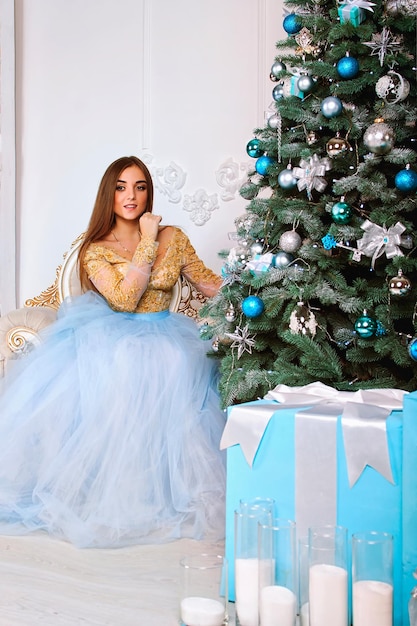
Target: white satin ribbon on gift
x,y
363,416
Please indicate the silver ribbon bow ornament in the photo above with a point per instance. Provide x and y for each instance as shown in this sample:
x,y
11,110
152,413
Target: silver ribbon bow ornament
x,y
310,174
378,240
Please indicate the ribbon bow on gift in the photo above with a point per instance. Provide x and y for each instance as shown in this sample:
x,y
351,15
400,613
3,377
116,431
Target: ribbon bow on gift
x,y
361,4
363,412
379,239
310,174
363,420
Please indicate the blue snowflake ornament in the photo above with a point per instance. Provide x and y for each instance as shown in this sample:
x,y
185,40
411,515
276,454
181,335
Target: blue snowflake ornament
x,y
328,242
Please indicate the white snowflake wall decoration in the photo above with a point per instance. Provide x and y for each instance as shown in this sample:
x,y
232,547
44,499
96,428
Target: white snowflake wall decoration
x,y
227,177
200,206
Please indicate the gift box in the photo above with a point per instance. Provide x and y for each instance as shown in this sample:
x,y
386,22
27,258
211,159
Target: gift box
x,y
329,457
351,13
294,89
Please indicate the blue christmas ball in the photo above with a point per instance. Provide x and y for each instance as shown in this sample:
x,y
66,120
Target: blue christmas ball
x,y
331,107
412,349
282,259
406,180
262,164
292,24
341,213
253,149
366,326
348,67
253,306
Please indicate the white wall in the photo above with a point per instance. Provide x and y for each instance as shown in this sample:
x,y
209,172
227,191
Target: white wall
x,y
180,83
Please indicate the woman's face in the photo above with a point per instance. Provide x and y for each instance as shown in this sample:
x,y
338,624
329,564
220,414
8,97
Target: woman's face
x,y
131,194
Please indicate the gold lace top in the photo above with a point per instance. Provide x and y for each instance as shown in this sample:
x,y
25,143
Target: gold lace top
x,y
135,286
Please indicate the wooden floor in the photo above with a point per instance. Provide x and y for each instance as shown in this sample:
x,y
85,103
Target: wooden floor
x,y
49,582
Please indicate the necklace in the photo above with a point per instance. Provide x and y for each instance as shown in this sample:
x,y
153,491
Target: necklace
x,y
120,243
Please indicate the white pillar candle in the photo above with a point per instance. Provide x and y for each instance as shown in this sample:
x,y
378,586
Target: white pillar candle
x,y
246,591
305,615
196,611
277,606
372,603
328,595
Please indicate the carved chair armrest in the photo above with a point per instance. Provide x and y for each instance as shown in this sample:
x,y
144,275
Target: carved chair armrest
x,y
19,330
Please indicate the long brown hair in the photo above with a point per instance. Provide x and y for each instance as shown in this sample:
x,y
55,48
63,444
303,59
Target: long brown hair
x,y
102,218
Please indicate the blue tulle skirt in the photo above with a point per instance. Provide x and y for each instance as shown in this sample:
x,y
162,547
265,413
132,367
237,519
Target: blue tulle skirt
x,y
110,431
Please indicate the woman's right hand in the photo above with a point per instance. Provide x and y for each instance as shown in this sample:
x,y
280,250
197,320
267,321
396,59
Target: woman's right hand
x,y
149,225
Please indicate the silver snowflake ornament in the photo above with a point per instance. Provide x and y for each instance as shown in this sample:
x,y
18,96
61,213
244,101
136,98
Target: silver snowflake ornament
x,y
384,43
242,340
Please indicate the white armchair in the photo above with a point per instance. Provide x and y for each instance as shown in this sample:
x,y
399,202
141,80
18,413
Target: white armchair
x,y
19,329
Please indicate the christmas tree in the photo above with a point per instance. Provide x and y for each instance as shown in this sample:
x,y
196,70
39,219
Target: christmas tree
x,y
320,283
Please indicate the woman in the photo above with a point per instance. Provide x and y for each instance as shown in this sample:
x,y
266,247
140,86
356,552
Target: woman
x,y
110,430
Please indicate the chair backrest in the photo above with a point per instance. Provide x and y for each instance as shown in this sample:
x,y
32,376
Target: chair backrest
x,y
185,298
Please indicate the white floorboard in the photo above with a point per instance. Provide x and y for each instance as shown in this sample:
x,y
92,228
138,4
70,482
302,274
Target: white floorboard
x,y
49,582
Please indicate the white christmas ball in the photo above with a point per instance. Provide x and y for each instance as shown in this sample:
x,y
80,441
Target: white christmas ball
x,y
392,87
290,241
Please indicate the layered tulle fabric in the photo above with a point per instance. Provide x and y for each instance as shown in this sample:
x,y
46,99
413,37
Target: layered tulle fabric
x,y
110,431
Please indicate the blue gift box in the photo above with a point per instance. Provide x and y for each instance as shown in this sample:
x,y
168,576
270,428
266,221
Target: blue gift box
x,y
351,13
382,498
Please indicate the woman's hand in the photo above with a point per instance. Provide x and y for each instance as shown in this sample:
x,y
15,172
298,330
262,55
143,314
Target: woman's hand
x,y
149,225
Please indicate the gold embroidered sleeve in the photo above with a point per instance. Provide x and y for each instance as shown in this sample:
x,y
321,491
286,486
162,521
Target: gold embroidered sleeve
x,y
146,251
202,277
120,281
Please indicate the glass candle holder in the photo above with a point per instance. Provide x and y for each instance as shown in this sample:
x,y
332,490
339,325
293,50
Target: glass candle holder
x,y
412,604
277,573
247,562
203,600
328,576
303,565
372,579
258,503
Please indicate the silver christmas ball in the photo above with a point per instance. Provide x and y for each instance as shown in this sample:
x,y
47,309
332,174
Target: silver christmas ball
x,y
278,92
331,107
277,68
379,137
392,87
256,248
306,83
274,121
286,179
290,241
